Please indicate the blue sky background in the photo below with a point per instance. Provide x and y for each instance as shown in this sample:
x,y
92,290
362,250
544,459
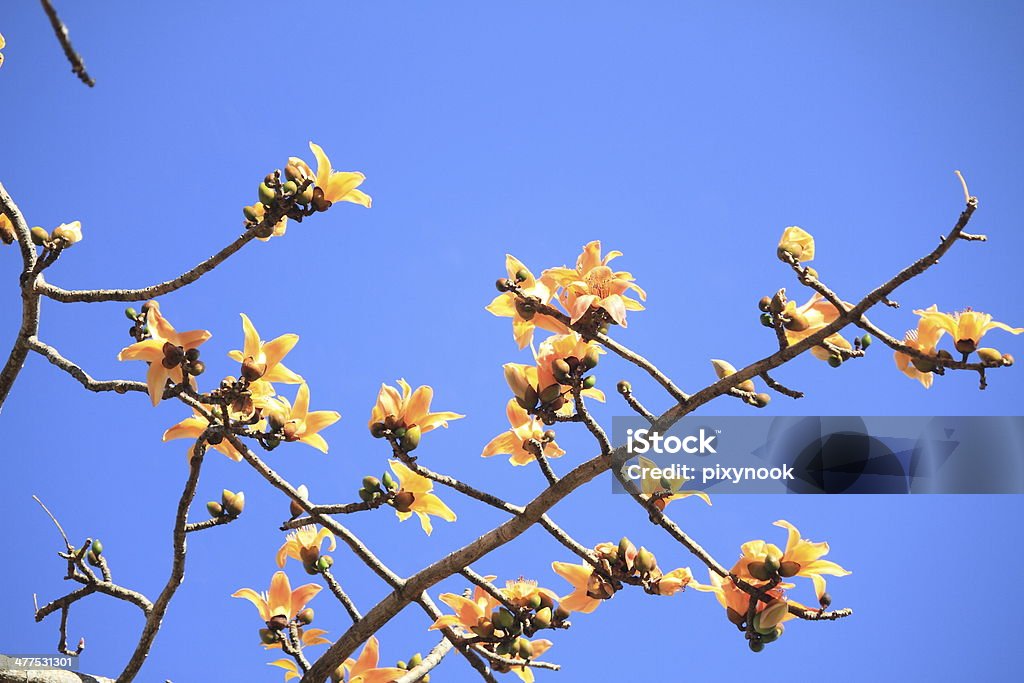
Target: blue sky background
x,y
687,136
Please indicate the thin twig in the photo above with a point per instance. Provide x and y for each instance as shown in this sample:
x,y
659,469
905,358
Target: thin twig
x,y
77,65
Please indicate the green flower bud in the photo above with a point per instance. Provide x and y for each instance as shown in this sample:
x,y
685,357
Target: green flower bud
x,y
365,496
267,637
835,360
325,563
250,214
306,196
589,382
97,547
131,313
755,645
415,660
401,664
771,564
560,369
305,617
542,619
645,560
865,341
410,441
525,648
39,236
561,614
389,482
773,636
290,187
591,358
371,483
266,194
233,503
502,618
214,508
766,320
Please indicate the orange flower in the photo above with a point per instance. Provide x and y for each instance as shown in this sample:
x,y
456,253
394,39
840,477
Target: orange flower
x,y
731,597
924,339
165,339
407,409
304,545
513,442
264,358
800,558
414,495
589,588
192,428
564,347
299,423
338,186
797,242
280,604
809,319
524,592
524,316
468,612
538,647
592,284
673,582
966,327
365,670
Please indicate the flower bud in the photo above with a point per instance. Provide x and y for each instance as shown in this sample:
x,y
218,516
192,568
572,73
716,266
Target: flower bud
x,y
290,187
811,272
766,320
266,194
589,382
624,387
325,563
415,660
233,503
773,636
761,400
542,619
560,369
501,284
97,547
924,364
561,614
990,355
591,358
626,548
250,214
791,248
267,636
371,483
502,618
214,508
525,648
39,236
550,393
755,645
865,341
836,360
389,482
1007,360
306,196
645,560
377,430
410,441
943,354
305,617
764,304
771,564
825,600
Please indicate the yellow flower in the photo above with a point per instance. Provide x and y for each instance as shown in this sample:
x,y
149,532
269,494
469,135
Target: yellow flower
x,y
797,242
468,612
264,358
152,350
258,210
563,347
308,636
192,428
338,186
409,408
304,545
966,327
365,670
291,670
68,233
7,234
513,441
924,339
735,601
2,44
673,582
524,317
589,588
522,592
280,604
414,495
658,490
299,423
800,558
592,284
809,319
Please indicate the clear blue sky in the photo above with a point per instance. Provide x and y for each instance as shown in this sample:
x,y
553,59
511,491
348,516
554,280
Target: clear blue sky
x,y
686,136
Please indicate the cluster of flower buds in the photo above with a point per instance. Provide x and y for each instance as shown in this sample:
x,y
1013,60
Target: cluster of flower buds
x,y
767,625
507,630
92,555
406,437
745,389
61,237
140,328
231,504
385,490
623,562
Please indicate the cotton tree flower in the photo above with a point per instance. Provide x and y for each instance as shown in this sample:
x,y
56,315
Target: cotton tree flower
x,y
800,558
469,612
673,582
297,422
810,319
154,351
663,491
192,428
563,347
967,327
537,648
527,593
338,186
414,495
592,284
365,669
304,544
589,588
923,339
408,409
735,601
261,359
798,242
280,604
524,316
513,441
2,44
